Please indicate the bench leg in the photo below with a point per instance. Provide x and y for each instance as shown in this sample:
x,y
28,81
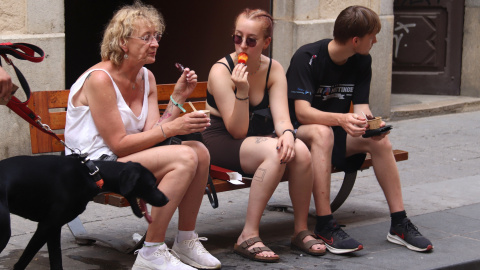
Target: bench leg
x,y
82,237
345,189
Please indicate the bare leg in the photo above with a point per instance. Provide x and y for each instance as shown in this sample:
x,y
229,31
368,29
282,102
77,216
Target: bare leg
x,y
320,141
384,166
174,173
300,183
190,205
259,155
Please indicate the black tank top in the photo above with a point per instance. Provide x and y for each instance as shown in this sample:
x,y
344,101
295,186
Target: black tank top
x,y
262,105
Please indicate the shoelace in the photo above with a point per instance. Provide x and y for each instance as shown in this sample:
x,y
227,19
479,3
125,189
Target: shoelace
x,y
338,231
195,242
165,253
410,228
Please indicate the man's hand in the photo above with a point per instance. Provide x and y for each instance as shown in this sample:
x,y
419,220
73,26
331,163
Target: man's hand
x,y
354,124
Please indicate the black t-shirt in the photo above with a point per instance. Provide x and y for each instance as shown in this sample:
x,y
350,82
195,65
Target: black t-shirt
x,y
314,77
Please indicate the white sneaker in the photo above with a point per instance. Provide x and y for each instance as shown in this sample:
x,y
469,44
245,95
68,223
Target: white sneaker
x,y
161,259
193,253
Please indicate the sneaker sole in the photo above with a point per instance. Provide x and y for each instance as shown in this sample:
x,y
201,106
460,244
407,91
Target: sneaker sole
x,y
342,251
399,241
192,263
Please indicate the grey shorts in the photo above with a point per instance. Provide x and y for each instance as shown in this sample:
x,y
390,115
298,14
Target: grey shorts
x,y
106,157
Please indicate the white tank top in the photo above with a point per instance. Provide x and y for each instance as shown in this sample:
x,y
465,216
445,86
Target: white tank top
x,y
80,130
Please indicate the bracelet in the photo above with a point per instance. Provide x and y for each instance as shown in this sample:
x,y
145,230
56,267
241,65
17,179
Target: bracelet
x,y
241,98
163,131
293,132
180,106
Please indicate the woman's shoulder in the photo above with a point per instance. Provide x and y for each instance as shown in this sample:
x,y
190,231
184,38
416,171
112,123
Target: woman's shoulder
x,y
276,66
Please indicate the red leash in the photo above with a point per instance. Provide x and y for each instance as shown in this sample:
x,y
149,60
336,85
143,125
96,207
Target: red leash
x,y
25,51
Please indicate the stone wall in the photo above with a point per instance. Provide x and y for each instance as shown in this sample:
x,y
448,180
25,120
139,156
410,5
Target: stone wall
x,y
39,22
304,21
470,85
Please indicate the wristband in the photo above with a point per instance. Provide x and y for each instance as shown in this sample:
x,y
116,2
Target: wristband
x,y
240,98
164,135
180,106
293,132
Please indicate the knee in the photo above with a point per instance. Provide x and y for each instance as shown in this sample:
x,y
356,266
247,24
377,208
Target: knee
x,y
302,155
384,144
202,153
186,158
322,137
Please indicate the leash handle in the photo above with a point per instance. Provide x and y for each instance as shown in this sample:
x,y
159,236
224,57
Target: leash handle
x,y
22,51
25,51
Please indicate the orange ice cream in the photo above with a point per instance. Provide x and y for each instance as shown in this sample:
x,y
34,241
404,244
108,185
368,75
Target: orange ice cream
x,y
242,58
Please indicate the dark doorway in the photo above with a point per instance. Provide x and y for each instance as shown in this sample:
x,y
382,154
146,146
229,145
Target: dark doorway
x,y
427,46
198,33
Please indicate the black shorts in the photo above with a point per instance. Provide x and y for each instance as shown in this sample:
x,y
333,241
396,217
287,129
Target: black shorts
x,y
339,160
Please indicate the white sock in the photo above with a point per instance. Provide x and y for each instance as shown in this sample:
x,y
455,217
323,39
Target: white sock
x,y
185,235
150,247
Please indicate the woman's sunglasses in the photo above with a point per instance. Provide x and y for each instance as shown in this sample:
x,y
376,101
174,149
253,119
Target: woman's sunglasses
x,y
251,42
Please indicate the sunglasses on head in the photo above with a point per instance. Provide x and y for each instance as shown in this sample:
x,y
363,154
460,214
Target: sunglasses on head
x,y
251,42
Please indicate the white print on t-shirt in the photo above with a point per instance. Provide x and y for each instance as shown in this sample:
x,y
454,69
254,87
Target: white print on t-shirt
x,y
311,59
339,91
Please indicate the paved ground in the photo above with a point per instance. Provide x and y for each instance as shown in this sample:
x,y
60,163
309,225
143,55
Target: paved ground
x,y
441,193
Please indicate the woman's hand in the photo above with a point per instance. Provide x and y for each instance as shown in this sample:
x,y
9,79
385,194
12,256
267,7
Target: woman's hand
x,y
286,147
185,85
5,85
240,79
189,123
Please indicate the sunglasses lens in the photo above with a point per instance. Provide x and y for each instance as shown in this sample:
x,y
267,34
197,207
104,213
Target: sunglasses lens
x,y
237,39
251,42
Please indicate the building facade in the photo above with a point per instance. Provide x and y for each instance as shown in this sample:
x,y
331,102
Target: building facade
x,y
297,22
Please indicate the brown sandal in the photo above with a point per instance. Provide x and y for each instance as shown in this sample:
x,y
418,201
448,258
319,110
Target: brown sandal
x,y
297,243
251,254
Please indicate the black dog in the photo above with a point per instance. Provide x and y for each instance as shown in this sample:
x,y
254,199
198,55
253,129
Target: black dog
x,y
53,190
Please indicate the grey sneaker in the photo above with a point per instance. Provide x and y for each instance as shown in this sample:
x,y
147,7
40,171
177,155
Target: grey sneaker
x,y
407,234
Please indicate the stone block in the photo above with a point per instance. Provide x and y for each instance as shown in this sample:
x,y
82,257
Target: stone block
x,y
12,17
46,75
470,85
45,16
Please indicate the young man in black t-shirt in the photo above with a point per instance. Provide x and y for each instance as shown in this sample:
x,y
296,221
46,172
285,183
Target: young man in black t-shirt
x,y
323,79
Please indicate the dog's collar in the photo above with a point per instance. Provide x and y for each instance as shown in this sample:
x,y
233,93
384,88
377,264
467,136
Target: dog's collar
x,y
94,170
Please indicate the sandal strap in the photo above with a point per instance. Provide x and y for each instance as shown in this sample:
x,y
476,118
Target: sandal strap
x,y
311,243
304,234
249,242
257,250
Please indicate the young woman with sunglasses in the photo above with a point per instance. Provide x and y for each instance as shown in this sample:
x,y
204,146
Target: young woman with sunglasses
x,y
234,92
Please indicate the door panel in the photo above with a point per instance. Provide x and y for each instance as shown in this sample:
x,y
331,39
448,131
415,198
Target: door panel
x,y
427,47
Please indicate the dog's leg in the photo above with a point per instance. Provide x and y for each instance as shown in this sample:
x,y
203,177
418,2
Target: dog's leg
x,y
39,239
54,249
5,230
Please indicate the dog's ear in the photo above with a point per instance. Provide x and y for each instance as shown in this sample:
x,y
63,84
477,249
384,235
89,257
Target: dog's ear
x,y
128,178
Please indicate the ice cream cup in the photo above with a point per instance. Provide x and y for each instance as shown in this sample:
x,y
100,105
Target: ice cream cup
x,y
207,112
374,123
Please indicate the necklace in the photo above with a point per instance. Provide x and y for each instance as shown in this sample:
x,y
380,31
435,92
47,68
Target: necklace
x,y
253,73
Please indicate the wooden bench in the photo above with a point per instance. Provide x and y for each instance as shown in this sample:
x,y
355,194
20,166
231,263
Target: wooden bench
x,y
51,107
